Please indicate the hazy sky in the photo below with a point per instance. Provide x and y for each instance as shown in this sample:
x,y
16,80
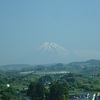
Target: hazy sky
x,y
26,24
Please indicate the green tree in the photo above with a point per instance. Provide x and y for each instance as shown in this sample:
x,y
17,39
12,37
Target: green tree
x,y
36,91
8,94
45,79
58,91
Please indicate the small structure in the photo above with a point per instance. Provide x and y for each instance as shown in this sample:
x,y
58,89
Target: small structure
x,y
84,95
73,96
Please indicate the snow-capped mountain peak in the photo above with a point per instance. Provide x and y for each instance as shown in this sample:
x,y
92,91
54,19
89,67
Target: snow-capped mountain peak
x,y
47,46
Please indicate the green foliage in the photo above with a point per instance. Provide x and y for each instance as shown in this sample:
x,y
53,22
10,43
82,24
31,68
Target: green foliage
x,y
45,79
58,91
9,94
36,91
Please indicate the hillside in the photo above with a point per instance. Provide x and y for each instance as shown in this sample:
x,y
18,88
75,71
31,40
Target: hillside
x,y
91,67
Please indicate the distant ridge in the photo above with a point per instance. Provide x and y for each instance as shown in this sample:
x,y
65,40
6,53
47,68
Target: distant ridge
x,y
88,61
85,65
93,61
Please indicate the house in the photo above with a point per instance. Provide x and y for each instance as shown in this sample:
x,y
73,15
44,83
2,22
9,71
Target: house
x,y
73,96
84,95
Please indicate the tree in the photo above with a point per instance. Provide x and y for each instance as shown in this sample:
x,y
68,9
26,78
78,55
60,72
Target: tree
x,y
8,94
45,79
36,91
58,91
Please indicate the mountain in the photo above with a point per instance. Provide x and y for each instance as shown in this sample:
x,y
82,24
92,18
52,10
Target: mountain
x,y
45,53
52,53
94,62
87,67
52,47
88,63
84,67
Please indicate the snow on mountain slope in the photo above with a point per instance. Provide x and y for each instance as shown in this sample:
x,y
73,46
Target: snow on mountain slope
x,y
52,53
46,53
52,47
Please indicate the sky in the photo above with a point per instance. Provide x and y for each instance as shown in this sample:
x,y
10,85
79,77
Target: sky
x,y
27,24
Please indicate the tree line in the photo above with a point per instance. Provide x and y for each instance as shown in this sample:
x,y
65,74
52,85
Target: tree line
x,y
56,91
